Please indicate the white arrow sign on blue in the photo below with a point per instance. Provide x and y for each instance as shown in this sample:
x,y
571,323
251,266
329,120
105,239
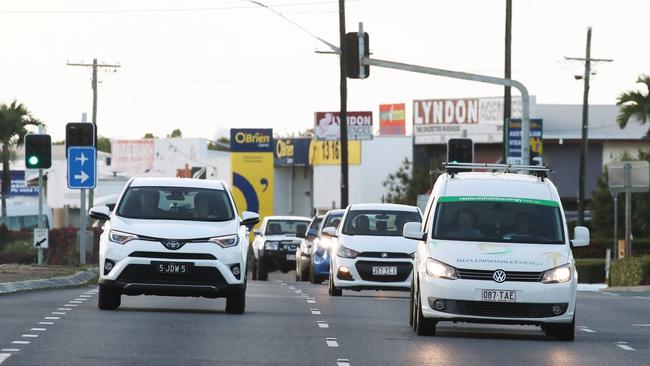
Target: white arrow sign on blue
x,y
82,167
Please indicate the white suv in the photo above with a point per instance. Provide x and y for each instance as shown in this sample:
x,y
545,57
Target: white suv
x,y
173,237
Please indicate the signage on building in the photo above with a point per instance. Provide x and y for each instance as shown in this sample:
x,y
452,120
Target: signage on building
x,y
392,119
329,152
327,126
18,185
291,152
435,121
514,142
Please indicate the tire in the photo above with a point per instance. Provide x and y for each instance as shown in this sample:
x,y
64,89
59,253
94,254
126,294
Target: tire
x,y
262,271
411,306
254,269
562,332
298,272
236,302
109,298
422,326
304,272
312,276
333,290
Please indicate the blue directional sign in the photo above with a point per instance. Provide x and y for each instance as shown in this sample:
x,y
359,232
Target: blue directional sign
x,y
81,167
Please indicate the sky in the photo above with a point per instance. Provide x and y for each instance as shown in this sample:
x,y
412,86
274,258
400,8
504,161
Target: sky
x,y
208,66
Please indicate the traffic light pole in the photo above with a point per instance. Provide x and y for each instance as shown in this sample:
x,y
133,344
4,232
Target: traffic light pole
x,y
40,203
344,109
82,227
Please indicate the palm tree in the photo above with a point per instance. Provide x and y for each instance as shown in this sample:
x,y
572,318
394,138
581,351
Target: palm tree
x,y
13,120
635,104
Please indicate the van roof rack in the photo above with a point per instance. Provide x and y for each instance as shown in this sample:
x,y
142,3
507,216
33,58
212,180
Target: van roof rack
x,y
540,171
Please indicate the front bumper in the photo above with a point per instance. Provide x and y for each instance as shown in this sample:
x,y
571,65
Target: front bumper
x,y
361,277
321,263
534,301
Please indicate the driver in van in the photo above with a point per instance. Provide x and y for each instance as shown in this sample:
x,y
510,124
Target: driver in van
x,y
523,226
466,220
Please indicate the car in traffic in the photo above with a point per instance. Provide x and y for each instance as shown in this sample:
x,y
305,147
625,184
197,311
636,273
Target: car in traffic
x,y
319,261
303,253
275,244
369,251
495,248
173,237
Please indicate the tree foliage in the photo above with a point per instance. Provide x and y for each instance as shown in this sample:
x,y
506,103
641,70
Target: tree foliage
x,y
406,184
149,135
176,133
635,104
104,144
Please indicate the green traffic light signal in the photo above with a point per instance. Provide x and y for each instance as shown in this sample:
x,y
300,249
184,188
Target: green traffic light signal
x,y
32,161
38,151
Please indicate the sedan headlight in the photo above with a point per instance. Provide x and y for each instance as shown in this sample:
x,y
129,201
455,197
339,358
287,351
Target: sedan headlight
x,y
225,241
120,237
438,269
271,245
345,252
559,274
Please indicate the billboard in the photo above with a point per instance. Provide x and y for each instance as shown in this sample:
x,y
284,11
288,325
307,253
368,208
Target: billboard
x,y
329,152
514,142
326,126
291,152
392,119
133,155
435,121
162,156
18,186
252,170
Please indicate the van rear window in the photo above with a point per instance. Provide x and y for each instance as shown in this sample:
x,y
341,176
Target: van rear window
x,y
498,219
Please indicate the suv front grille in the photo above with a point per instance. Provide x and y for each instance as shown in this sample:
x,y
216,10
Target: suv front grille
x,y
475,274
174,255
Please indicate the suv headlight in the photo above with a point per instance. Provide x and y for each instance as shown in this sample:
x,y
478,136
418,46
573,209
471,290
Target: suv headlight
x,y
441,270
271,245
225,241
345,252
120,237
559,274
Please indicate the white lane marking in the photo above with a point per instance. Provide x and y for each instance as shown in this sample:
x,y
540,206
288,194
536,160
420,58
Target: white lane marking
x,y
52,318
315,311
70,305
20,342
75,302
586,329
625,347
311,300
46,323
4,357
641,325
63,309
38,329
342,362
10,350
331,342
58,313
298,291
322,324
283,284
79,299
84,295
29,335
291,288
304,295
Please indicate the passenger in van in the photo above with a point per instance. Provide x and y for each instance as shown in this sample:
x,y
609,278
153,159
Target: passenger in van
x,y
523,226
466,220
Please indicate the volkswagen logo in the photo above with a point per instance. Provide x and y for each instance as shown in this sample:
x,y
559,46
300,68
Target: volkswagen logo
x,y
172,244
499,275
384,255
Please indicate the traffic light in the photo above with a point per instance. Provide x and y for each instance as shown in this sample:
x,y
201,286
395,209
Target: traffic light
x,y
38,151
79,134
353,66
460,151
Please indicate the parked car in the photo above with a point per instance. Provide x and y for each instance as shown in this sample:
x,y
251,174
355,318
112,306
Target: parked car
x,y
319,261
495,248
303,253
275,244
369,251
173,237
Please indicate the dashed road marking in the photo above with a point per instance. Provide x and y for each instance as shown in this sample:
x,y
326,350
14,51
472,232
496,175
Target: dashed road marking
x,y
586,329
52,318
311,300
70,305
63,309
315,311
58,313
298,291
29,335
20,342
623,345
641,325
342,362
283,284
291,288
46,323
331,342
38,329
4,357
304,295
75,302
322,324
10,350
84,296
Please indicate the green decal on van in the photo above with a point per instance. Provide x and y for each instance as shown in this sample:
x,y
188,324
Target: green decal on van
x,y
529,201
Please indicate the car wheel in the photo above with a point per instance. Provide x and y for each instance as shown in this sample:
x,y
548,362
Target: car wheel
x,y
262,271
562,332
411,312
312,275
254,269
298,272
236,302
423,326
109,298
333,290
304,272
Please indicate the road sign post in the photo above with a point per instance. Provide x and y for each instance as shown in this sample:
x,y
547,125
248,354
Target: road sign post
x,y
82,175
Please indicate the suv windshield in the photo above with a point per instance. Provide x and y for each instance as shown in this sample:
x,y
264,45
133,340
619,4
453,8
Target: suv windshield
x,y
176,203
378,222
286,227
498,219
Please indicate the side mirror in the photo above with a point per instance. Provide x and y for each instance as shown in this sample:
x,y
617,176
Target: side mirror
x,y
249,219
580,237
330,231
257,232
102,213
413,230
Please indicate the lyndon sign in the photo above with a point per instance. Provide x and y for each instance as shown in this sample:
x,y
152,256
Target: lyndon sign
x,y
435,121
326,126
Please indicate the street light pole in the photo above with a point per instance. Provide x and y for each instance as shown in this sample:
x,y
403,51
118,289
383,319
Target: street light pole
x,y
344,109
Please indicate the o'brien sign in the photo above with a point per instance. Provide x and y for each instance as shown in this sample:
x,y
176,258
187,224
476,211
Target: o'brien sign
x,y
326,126
435,121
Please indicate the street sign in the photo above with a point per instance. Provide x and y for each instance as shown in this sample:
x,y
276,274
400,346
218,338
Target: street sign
x,y
41,238
639,176
81,167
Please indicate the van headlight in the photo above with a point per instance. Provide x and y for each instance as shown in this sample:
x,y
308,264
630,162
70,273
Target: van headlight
x,y
271,245
559,274
441,270
121,237
345,252
225,241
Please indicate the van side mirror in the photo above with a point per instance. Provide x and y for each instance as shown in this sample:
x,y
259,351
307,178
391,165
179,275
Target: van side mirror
x,y
249,219
413,230
102,213
330,231
580,237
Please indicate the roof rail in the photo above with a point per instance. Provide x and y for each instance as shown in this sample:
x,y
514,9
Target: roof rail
x,y
537,170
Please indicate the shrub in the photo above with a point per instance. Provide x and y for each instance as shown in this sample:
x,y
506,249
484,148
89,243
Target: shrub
x,y
591,270
598,247
630,271
18,251
62,247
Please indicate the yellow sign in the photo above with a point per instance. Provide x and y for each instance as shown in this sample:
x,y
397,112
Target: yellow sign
x,y
329,152
252,181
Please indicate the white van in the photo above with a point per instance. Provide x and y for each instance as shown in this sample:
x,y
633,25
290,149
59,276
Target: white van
x,y
494,248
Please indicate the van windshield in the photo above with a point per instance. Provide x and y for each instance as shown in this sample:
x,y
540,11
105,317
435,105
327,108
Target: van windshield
x,y
498,219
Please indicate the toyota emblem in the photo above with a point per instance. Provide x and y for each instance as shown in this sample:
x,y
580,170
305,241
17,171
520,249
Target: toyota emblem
x,y
499,275
384,255
172,244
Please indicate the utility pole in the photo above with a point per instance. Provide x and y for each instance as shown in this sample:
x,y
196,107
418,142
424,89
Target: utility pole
x,y
344,109
94,65
585,125
507,98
